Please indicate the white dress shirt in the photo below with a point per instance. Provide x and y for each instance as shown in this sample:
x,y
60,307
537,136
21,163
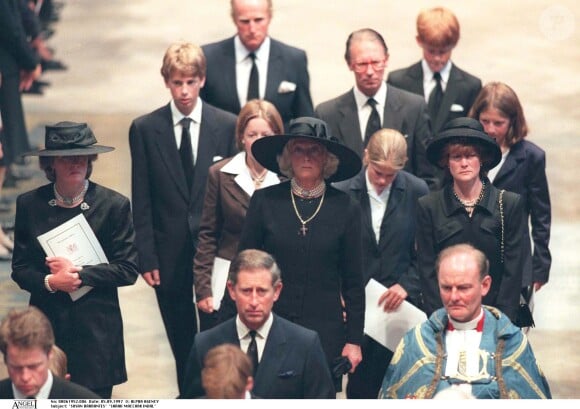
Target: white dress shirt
x,y
378,205
429,82
364,109
195,115
244,66
261,335
492,173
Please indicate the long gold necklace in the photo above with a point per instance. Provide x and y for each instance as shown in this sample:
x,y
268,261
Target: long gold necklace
x,y
303,230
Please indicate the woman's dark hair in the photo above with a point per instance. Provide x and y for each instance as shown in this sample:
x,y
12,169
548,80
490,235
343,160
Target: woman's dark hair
x,y
45,163
465,145
501,97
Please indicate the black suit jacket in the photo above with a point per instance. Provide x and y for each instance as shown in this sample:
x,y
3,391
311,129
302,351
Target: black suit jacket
x,y
166,215
404,111
90,330
285,63
292,366
461,91
443,222
391,260
61,389
524,172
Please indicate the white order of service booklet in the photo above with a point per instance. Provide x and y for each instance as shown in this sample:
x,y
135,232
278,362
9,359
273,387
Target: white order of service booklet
x,y
76,241
388,328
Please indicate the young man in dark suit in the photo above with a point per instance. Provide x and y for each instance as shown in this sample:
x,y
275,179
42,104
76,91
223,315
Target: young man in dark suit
x,y
172,149
288,359
388,199
372,104
281,71
448,90
26,340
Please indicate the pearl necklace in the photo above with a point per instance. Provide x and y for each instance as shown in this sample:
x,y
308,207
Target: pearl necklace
x,y
303,230
258,179
307,193
69,201
469,205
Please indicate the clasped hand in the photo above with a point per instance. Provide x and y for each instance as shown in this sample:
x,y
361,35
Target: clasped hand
x,y
65,275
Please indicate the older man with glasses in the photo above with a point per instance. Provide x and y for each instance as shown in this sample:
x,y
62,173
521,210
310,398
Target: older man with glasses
x,y
372,105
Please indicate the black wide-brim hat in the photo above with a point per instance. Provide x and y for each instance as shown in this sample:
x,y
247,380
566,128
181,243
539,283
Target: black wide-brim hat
x,y
266,150
69,139
466,131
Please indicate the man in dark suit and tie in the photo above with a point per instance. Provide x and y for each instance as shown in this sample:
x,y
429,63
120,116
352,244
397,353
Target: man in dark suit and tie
x,y
171,150
26,340
288,359
448,90
388,199
372,104
253,65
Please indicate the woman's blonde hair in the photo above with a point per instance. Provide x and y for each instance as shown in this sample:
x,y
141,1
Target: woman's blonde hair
x,y
387,145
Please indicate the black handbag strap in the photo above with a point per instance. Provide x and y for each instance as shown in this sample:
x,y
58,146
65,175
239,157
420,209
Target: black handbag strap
x,y
500,200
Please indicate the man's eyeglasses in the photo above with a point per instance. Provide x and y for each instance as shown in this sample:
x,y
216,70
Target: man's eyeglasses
x,y
363,66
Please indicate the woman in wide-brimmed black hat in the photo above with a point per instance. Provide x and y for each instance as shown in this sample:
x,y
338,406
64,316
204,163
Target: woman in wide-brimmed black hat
x,y
313,230
469,209
78,296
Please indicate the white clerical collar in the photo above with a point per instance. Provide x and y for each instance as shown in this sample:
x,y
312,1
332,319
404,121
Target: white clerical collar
x,y
43,393
474,324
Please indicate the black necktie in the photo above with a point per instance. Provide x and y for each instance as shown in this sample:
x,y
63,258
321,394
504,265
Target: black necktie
x,y
435,97
253,351
254,84
374,122
185,151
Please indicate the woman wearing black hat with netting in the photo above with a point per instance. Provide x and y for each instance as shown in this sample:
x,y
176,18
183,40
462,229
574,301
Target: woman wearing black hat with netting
x,y
313,230
469,209
81,301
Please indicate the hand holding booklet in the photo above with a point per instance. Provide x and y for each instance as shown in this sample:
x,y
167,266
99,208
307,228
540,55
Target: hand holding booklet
x,y
76,241
388,328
